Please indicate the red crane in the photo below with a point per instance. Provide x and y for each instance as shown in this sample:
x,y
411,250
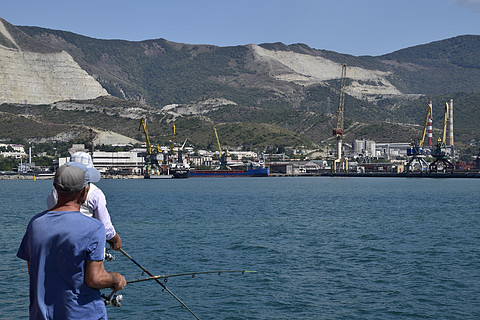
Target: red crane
x,y
339,132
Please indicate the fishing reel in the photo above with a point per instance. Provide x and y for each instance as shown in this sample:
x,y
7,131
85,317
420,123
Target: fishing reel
x,y
113,300
109,256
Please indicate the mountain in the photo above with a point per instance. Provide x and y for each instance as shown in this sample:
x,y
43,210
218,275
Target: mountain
x,y
264,95
440,67
34,73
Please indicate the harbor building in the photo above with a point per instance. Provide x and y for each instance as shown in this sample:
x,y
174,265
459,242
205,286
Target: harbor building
x,y
126,162
364,148
12,150
391,150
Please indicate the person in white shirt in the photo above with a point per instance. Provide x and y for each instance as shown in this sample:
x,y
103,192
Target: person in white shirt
x,y
96,204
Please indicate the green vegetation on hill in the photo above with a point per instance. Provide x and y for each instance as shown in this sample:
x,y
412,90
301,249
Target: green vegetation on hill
x,y
461,51
24,41
447,66
50,121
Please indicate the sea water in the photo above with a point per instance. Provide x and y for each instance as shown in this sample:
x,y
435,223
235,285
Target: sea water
x,y
323,247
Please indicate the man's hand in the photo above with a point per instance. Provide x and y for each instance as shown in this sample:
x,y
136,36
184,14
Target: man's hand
x,y
119,281
115,242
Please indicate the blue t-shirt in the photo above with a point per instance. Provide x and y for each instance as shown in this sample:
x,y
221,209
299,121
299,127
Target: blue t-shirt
x,y
57,244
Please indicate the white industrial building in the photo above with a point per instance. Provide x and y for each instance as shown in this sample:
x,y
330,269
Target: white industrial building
x,y
364,148
372,149
391,150
120,161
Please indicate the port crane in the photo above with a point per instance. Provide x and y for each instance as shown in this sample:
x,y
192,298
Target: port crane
x,y
340,163
180,150
143,125
223,155
441,162
416,149
151,158
177,167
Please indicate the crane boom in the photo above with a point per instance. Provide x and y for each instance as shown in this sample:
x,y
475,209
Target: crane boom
x,y
218,142
445,121
223,156
339,131
143,124
183,145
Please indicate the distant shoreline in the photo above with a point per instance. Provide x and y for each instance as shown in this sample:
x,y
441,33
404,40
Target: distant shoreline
x,y
349,174
50,177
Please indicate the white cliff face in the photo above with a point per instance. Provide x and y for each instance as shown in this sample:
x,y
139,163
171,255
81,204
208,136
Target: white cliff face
x,y
109,137
308,70
196,108
42,78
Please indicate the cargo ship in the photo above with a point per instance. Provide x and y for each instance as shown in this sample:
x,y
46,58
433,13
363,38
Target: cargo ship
x,y
179,170
253,169
253,172
172,170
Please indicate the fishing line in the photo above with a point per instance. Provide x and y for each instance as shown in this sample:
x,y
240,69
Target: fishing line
x,y
159,282
193,274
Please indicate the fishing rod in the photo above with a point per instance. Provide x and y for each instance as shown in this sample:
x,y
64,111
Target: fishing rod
x,y
158,281
193,274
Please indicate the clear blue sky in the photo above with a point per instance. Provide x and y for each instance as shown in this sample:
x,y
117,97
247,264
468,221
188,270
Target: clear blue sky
x,y
357,27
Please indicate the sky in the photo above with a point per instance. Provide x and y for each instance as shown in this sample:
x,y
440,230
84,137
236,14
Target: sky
x,y
356,27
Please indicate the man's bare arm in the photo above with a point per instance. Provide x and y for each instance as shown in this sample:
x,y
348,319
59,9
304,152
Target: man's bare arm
x,y
98,278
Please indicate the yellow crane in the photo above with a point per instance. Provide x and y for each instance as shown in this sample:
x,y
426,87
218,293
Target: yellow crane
x,y
151,161
223,156
417,162
441,162
143,124
218,143
445,121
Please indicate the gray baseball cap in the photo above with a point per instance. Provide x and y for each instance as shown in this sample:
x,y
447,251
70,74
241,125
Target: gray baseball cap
x,y
72,177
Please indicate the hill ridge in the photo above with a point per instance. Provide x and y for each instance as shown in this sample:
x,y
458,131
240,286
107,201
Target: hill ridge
x,y
293,88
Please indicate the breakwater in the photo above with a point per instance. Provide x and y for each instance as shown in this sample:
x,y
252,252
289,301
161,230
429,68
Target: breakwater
x,y
383,174
323,174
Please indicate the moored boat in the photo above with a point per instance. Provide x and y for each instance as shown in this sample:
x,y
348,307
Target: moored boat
x,y
253,172
158,176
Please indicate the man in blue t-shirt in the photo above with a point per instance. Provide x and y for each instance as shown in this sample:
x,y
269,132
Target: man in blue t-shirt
x,y
64,250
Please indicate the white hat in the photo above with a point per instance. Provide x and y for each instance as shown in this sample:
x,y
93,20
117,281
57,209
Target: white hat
x,y
82,157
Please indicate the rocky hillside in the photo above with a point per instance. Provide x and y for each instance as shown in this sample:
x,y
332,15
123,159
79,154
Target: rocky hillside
x,y
160,72
34,74
282,91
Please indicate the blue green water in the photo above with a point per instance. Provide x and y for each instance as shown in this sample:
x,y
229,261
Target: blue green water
x,y
324,248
